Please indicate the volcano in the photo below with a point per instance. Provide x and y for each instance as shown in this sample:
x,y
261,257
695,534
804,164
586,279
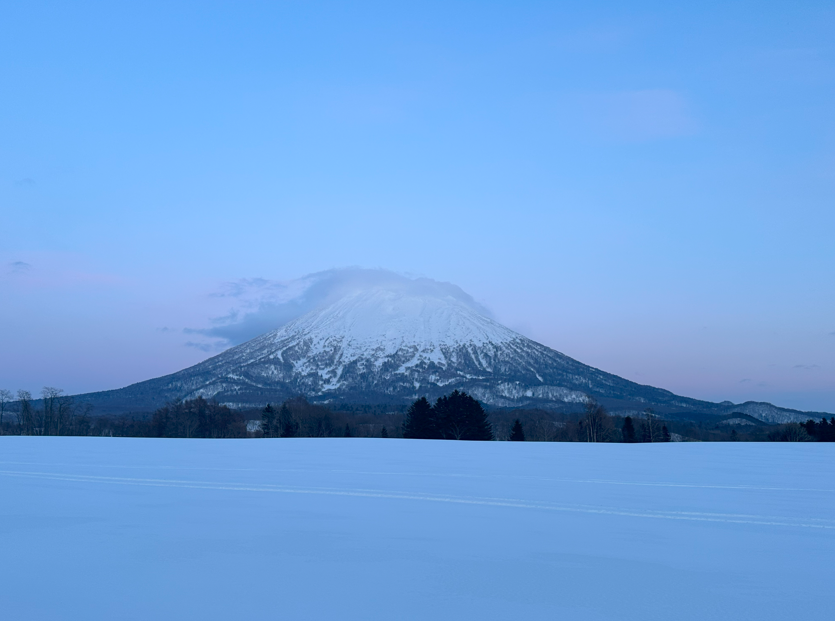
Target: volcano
x,y
395,341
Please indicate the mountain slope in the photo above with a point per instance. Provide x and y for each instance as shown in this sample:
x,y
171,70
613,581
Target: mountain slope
x,y
386,344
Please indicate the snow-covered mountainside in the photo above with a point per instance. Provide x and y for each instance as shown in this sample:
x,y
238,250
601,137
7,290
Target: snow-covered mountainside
x,y
387,344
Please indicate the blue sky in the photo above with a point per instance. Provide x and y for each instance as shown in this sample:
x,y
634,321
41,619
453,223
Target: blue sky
x,y
645,187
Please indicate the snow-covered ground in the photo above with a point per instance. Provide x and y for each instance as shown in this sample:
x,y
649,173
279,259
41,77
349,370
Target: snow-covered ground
x,y
113,528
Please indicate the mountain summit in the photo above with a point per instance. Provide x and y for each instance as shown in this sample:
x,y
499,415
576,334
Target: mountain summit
x,y
391,341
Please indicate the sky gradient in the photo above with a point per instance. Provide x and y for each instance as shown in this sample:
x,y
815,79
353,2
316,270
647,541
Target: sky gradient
x,y
649,189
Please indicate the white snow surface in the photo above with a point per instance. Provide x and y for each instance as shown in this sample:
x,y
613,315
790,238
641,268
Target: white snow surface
x,y
114,528
363,319
381,321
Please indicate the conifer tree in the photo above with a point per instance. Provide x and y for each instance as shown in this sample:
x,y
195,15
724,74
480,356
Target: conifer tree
x,y
453,417
460,417
517,434
384,433
827,430
822,432
287,425
420,421
348,433
665,434
628,430
268,422
811,427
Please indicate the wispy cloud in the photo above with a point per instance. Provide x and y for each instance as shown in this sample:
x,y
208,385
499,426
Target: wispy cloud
x,y
25,183
259,305
243,286
206,347
56,271
806,367
19,267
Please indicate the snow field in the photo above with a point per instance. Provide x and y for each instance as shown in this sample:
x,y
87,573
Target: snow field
x,y
121,528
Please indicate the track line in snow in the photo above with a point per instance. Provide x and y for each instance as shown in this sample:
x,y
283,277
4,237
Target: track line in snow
x,y
816,523
446,475
134,466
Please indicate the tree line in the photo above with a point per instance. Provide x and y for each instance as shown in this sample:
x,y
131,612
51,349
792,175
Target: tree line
x,y
824,431
198,418
57,415
454,416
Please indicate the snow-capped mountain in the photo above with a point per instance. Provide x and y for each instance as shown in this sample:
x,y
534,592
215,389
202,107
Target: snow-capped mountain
x,y
389,343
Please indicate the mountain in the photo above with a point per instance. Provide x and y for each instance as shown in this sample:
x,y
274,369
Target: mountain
x,y
388,344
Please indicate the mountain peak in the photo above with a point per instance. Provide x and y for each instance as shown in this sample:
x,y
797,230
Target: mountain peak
x,y
377,337
385,319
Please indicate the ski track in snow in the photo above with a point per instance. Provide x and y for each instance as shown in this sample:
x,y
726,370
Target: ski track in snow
x,y
693,516
438,475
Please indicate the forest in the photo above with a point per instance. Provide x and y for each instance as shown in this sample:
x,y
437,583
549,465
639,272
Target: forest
x,y
456,416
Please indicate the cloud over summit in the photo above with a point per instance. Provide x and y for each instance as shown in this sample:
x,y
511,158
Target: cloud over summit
x,y
259,305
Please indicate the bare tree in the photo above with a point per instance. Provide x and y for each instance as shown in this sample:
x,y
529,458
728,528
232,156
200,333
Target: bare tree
x,y
65,414
596,422
542,430
320,426
5,397
651,428
25,416
56,411
794,433
197,418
